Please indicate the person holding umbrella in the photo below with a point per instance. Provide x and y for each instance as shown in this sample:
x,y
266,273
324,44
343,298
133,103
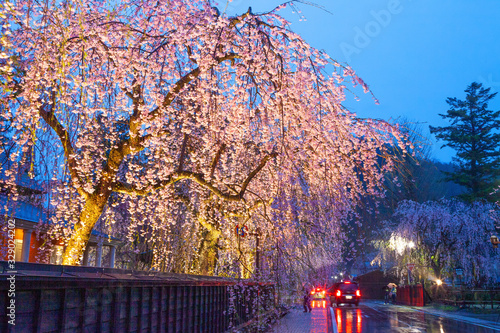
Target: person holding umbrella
x,y
393,291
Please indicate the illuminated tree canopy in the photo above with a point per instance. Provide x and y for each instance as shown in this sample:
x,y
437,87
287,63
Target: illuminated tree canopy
x,y
170,110
441,235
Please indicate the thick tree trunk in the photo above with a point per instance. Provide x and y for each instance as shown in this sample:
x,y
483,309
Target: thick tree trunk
x,y
91,212
208,251
436,268
246,266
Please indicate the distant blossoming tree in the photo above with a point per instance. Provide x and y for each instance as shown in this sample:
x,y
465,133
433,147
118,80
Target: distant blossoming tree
x,y
442,235
175,112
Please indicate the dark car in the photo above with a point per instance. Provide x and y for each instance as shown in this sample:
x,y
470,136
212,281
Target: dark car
x,y
346,292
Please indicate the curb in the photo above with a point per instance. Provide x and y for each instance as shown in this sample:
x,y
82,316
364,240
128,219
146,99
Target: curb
x,y
333,322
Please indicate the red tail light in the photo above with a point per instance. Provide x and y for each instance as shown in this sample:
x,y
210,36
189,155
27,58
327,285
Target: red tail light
x,y
347,282
358,293
338,293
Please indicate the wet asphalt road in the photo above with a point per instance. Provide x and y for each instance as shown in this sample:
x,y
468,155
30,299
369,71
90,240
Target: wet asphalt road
x,y
373,317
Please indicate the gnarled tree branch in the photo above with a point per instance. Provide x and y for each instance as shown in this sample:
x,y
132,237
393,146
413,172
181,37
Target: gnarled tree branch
x,y
69,153
198,178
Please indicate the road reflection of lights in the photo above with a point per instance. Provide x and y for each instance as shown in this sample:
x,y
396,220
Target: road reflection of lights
x,y
348,322
339,319
358,322
441,327
318,304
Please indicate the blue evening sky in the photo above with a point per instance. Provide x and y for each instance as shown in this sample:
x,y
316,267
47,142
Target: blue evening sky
x,y
412,53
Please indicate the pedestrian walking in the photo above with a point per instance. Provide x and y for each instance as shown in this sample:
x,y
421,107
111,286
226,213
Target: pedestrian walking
x,y
387,292
393,294
307,302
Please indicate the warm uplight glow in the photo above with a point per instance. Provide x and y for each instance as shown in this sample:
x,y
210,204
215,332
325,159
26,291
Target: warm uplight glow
x,y
324,304
312,292
313,304
439,282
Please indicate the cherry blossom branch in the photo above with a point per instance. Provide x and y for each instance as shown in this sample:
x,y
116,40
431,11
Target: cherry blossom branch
x,y
255,172
216,160
239,19
183,153
248,210
133,144
185,80
198,178
51,120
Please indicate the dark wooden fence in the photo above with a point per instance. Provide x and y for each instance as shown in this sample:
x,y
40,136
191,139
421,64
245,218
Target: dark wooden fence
x,y
473,298
50,298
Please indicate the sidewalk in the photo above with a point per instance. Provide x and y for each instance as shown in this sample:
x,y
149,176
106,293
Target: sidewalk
x,y
489,318
460,315
298,321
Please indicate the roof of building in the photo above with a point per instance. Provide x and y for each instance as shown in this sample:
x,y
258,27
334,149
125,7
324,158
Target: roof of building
x,y
29,212
20,210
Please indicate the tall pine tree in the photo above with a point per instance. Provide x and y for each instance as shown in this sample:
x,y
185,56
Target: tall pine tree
x,y
474,134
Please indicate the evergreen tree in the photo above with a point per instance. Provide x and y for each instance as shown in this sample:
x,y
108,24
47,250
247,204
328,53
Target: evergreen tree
x,y
473,133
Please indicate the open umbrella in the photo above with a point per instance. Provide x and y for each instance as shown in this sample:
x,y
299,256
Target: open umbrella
x,y
392,285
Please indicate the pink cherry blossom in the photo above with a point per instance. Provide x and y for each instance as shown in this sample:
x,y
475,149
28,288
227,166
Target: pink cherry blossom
x,y
180,122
